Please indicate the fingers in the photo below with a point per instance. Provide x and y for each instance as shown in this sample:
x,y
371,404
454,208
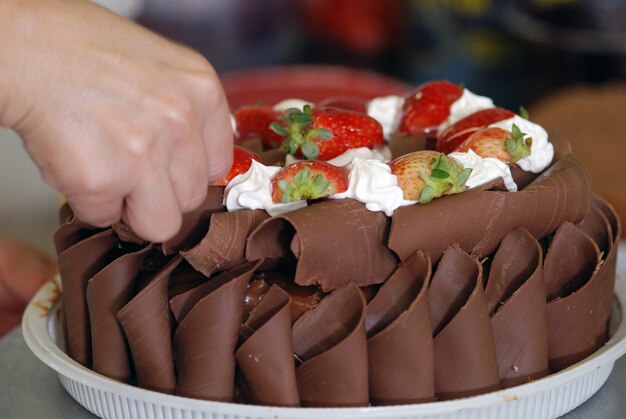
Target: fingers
x,y
218,139
152,209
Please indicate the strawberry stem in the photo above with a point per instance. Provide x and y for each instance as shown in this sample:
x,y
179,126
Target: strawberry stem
x,y
517,146
447,177
304,186
299,133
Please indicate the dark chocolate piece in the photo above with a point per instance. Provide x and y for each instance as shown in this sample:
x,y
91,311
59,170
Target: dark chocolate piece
x,y
516,297
478,220
570,273
336,242
107,292
274,157
77,264
224,245
400,344
126,234
265,358
402,144
465,356
71,232
196,223
331,342
147,324
206,337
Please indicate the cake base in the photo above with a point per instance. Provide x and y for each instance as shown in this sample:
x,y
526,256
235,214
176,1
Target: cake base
x,y
548,397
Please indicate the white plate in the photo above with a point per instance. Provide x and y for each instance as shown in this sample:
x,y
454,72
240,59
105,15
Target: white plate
x,y
548,397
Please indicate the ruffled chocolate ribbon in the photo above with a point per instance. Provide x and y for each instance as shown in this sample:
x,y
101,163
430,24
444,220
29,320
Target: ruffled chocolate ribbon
x,y
516,298
465,356
147,324
331,342
223,247
400,342
478,220
209,317
265,358
335,242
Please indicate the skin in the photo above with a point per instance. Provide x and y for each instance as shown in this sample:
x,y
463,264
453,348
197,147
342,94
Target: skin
x,y
122,122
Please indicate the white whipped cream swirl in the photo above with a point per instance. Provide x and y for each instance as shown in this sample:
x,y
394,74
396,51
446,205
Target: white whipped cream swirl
x,y
466,105
253,190
484,169
541,150
285,104
387,110
372,183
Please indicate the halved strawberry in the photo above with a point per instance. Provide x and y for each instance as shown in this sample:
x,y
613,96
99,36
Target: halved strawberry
x,y
424,175
457,133
308,179
346,103
324,133
254,121
428,106
242,160
498,143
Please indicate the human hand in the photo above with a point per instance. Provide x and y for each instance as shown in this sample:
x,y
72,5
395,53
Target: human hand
x,y
23,270
121,121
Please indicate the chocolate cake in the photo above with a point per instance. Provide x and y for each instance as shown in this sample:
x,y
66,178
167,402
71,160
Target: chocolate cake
x,y
336,304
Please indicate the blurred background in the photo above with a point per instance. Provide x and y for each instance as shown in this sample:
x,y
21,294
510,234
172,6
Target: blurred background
x,y
565,60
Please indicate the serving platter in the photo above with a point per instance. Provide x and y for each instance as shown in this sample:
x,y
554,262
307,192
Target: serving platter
x,y
549,397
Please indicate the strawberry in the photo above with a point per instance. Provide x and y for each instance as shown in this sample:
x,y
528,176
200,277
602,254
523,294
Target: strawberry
x,y
255,121
324,133
428,106
308,179
346,103
452,137
424,175
242,160
498,143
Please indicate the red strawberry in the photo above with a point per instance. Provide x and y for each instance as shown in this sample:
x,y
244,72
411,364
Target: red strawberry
x,y
427,107
255,121
454,135
424,175
308,179
324,133
498,143
345,103
242,160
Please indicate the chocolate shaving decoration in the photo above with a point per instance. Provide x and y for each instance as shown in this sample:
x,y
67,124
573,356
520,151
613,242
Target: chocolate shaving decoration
x,y
478,220
274,157
206,338
571,268
65,213
147,323
465,356
400,344
265,358
77,264
402,144
70,232
516,297
196,222
107,292
224,245
356,254
331,342
126,234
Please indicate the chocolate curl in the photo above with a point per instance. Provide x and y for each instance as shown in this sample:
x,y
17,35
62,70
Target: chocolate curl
x,y
65,213
205,341
603,212
70,232
273,157
402,144
331,341
107,292
196,222
478,220
265,358
224,245
147,324
570,273
516,298
400,344
356,254
77,264
465,356
126,234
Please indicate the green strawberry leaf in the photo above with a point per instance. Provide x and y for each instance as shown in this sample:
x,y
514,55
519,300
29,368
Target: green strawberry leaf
x,y
427,195
523,112
279,129
310,150
439,174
